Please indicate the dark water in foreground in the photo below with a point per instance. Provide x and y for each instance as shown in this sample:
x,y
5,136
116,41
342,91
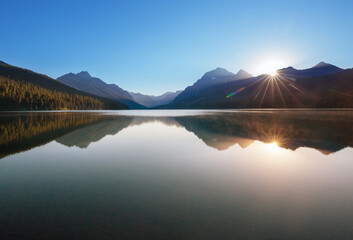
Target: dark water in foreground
x,y
176,175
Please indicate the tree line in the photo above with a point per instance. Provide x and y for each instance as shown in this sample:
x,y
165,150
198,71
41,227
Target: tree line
x,y
21,95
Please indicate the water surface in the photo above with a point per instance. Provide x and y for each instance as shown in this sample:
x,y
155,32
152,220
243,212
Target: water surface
x,y
176,175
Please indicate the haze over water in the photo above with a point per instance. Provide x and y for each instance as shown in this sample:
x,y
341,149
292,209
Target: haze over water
x,y
176,175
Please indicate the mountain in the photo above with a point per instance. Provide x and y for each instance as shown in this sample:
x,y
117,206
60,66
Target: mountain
x,y
324,85
153,101
83,81
22,89
242,74
320,69
212,78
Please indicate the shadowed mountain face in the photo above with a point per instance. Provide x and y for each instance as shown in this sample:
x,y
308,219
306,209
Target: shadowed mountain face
x,y
326,131
286,90
153,101
218,76
320,69
83,81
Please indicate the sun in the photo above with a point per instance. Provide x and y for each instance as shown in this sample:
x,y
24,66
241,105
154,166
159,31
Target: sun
x,y
272,73
270,65
273,146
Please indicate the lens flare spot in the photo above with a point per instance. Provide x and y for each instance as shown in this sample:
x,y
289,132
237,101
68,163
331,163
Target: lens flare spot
x,y
233,93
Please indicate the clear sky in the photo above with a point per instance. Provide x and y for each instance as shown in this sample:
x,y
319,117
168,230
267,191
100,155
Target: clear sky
x,y
156,46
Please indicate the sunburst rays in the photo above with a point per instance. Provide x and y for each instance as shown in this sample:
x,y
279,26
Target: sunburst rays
x,y
279,90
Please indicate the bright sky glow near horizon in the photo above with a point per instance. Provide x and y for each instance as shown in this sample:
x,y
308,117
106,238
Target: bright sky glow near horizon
x,y
157,46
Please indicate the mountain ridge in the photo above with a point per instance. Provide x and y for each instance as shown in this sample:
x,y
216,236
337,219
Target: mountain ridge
x,y
220,88
289,88
83,81
212,78
23,89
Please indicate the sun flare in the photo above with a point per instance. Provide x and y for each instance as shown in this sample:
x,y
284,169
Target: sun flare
x,y
272,73
273,146
270,65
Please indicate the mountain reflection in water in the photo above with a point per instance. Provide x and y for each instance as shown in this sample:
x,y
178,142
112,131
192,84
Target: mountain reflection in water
x,y
326,131
176,175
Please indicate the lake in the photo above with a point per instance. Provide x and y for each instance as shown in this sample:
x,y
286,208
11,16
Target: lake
x,y
178,174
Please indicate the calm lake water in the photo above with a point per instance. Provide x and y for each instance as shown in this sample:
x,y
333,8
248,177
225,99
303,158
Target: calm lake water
x,y
176,175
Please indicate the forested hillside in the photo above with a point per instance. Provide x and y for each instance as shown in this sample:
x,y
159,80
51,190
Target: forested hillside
x,y
21,89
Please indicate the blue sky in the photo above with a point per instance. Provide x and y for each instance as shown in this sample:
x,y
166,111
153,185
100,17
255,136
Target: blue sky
x,y
158,46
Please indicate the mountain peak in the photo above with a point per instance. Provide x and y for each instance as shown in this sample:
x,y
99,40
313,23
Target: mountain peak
x,y
242,74
84,74
322,64
218,72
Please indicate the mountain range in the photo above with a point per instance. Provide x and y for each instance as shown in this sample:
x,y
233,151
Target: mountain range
x,y
321,86
83,81
320,69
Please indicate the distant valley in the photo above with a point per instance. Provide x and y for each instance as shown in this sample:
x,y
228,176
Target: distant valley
x,y
154,101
